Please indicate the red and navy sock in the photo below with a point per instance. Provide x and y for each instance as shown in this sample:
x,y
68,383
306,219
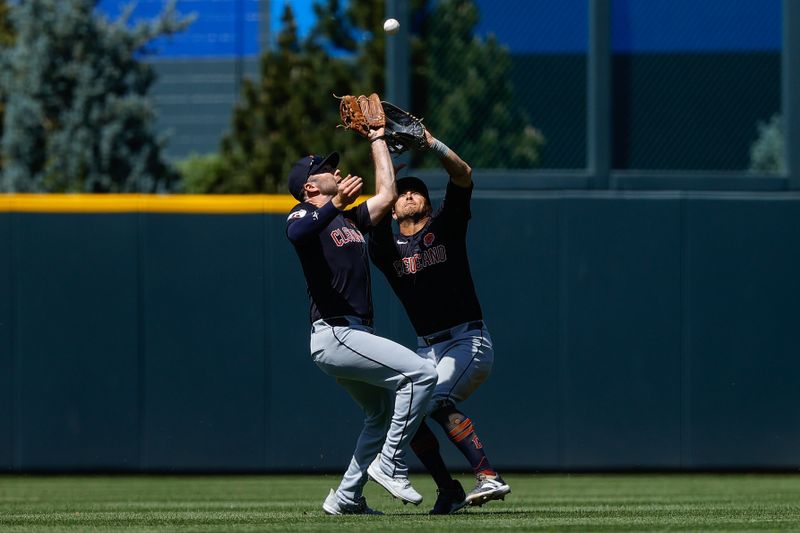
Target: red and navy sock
x,y
461,432
426,447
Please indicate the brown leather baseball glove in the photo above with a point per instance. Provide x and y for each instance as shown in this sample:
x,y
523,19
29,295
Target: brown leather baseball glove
x,y
361,113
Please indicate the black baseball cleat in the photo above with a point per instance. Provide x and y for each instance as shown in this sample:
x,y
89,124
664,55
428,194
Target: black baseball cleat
x,y
450,500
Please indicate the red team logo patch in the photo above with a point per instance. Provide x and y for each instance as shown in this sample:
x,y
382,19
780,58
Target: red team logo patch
x,y
428,239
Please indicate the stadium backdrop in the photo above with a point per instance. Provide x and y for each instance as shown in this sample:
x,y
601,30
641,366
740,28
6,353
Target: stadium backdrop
x,y
634,329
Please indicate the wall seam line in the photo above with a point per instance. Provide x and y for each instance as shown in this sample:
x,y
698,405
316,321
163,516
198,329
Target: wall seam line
x,y
266,352
140,349
560,326
16,445
684,331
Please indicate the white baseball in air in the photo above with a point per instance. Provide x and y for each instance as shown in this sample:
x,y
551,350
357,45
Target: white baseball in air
x,y
391,26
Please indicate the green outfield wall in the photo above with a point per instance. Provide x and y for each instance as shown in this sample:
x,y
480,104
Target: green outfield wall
x,y
633,330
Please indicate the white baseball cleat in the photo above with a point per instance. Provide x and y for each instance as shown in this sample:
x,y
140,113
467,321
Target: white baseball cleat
x,y
332,506
399,487
486,489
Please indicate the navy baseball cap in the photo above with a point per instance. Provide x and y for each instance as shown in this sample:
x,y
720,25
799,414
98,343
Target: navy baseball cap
x,y
412,183
305,167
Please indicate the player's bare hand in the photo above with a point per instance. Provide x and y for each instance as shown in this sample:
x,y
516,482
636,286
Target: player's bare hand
x,y
349,189
429,137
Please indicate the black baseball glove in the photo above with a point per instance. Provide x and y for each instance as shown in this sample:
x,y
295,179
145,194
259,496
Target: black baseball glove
x,y
403,130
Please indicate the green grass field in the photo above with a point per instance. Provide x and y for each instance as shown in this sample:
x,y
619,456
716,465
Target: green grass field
x,y
260,503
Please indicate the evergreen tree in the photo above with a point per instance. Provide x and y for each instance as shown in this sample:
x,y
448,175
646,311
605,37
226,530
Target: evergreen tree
x,y
287,113
6,31
459,84
77,114
469,95
6,40
767,152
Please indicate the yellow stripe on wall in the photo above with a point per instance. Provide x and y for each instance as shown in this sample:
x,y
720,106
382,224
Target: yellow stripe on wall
x,y
148,203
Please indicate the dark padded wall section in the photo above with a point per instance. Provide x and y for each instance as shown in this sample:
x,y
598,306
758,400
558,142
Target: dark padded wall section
x,y
203,327
6,354
631,330
742,259
621,343
76,347
314,422
513,248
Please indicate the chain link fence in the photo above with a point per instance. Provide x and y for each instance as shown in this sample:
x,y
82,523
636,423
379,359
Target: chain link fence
x,y
534,80
694,84
692,81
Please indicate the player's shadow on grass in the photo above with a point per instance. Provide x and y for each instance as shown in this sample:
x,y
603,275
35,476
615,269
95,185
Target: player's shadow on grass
x,y
475,514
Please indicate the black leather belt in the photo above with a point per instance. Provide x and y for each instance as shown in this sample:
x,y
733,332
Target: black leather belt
x,y
345,322
447,335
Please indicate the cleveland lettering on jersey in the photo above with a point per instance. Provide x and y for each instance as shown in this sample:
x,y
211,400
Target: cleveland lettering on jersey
x,y
417,262
332,251
344,235
423,268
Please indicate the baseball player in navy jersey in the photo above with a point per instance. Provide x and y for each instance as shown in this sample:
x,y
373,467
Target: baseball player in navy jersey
x,y
391,384
426,265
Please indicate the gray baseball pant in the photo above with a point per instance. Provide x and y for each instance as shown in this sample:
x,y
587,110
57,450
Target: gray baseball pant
x,y
463,362
390,383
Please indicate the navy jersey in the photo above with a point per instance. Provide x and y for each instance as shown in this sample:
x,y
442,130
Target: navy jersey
x,y
429,271
332,250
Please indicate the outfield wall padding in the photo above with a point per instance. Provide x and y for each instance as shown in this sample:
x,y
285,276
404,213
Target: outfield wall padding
x,y
6,348
633,330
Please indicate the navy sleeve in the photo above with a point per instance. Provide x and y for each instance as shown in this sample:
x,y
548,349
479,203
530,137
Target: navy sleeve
x,y
455,209
360,217
381,243
304,221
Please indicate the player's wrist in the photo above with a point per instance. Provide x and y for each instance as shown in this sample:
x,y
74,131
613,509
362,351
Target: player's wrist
x,y
377,135
338,203
438,147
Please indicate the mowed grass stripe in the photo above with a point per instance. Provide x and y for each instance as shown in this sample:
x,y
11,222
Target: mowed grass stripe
x,y
260,503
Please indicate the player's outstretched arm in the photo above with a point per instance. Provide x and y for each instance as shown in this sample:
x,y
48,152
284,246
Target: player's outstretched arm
x,y
385,188
460,172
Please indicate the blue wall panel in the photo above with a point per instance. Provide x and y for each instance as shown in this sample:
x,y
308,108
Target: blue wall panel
x,y
6,355
203,279
744,339
621,333
228,28
77,374
690,26
222,28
